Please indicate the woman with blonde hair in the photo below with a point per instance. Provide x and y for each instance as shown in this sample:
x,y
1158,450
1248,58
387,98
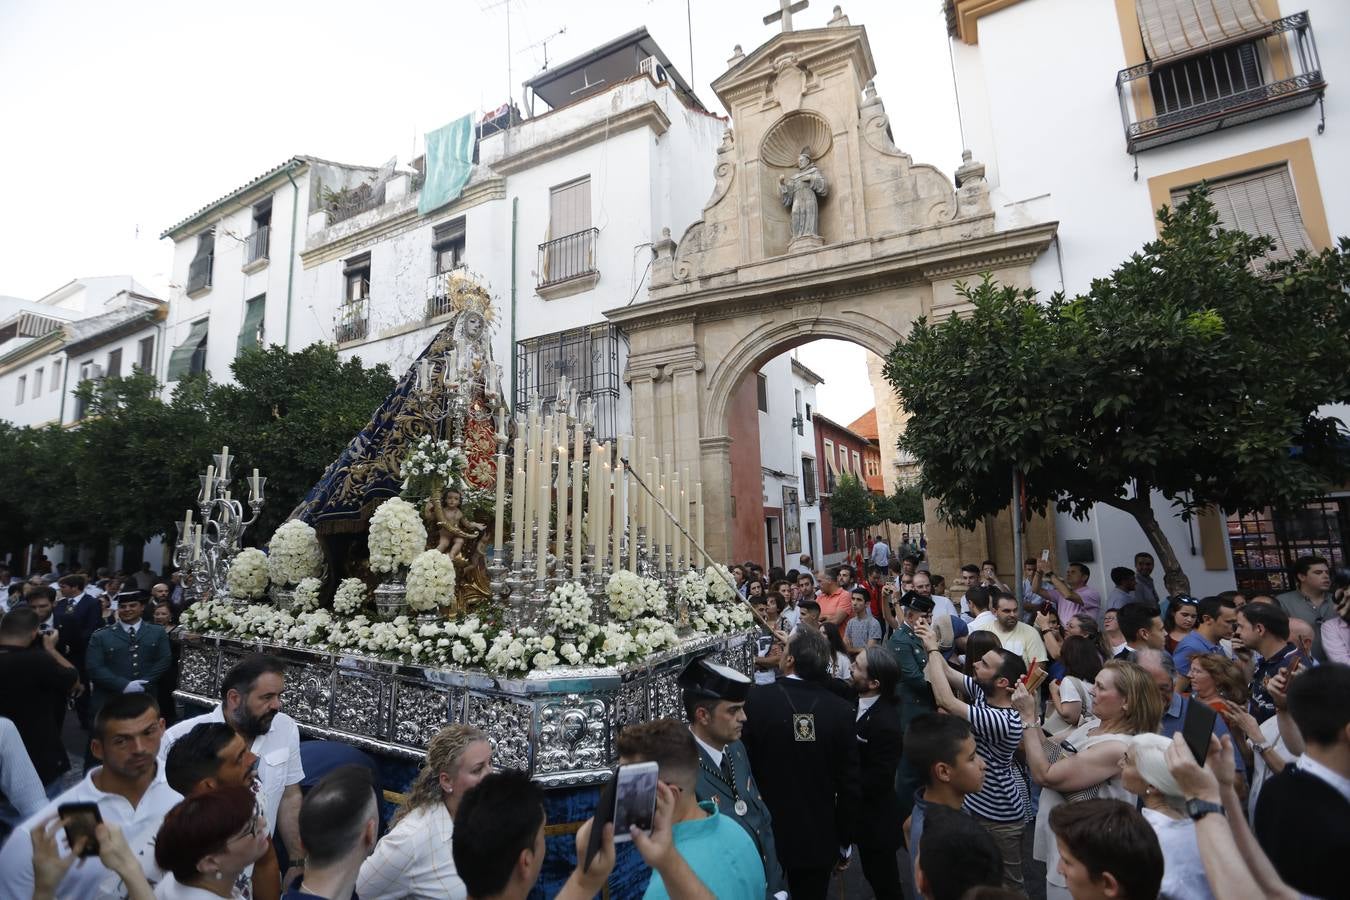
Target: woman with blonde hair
x,y
1085,762
414,859
1144,773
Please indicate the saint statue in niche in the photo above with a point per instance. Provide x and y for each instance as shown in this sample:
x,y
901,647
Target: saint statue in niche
x,y
799,192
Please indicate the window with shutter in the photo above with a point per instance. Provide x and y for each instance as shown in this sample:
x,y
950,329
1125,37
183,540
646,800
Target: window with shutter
x,y
447,245
762,389
115,363
189,357
22,390
1173,28
145,355
37,381
199,270
1260,202
56,376
251,331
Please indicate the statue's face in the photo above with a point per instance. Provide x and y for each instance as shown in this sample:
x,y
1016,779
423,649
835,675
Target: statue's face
x,y
473,325
452,499
803,161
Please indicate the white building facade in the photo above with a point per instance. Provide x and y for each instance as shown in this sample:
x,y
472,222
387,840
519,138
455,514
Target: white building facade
x,y
1096,114
786,401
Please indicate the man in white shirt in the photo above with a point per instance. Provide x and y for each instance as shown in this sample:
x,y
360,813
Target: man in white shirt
x,y
130,791
1015,635
251,705
881,553
943,608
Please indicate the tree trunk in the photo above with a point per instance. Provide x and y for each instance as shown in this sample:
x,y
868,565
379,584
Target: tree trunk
x,y
1140,508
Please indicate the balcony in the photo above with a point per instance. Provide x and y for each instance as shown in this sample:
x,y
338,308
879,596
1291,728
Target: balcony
x,y
352,322
255,248
440,299
199,273
567,264
1260,74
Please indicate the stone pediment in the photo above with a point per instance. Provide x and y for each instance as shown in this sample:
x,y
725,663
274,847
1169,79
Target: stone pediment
x,y
795,57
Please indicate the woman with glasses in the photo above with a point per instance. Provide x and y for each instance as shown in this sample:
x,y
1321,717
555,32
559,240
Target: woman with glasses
x,y
1180,620
207,842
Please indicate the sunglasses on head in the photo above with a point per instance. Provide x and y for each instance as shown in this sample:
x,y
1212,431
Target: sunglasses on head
x,y
1186,601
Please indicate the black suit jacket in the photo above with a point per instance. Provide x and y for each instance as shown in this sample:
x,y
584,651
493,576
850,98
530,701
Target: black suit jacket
x,y
804,754
77,619
1303,824
879,743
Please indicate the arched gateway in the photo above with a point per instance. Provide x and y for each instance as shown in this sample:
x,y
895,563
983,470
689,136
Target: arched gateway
x,y
818,227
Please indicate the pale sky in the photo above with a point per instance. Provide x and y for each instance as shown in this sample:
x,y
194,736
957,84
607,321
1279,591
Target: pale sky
x,y
121,119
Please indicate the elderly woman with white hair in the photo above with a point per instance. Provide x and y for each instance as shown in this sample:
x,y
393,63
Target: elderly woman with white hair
x,y
1144,773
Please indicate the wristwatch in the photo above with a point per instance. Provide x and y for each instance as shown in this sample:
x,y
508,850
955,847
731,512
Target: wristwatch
x,y
1198,809
1257,748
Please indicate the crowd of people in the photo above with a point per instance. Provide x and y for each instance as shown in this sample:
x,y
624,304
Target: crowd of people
x,y
933,735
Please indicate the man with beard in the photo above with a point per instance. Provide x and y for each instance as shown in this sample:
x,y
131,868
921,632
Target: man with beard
x,y
251,705
800,740
714,703
130,791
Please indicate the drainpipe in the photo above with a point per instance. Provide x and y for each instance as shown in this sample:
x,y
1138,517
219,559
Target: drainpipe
x,y
290,252
65,377
515,201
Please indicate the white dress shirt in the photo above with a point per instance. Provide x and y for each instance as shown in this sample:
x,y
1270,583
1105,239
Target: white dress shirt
x,y
170,889
712,752
1338,781
278,754
90,879
414,860
864,704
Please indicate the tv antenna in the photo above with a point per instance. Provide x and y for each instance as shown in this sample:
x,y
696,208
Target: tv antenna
x,y
544,43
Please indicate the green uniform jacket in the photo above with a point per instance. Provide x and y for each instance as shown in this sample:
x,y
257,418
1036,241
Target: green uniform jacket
x,y
113,663
756,821
913,693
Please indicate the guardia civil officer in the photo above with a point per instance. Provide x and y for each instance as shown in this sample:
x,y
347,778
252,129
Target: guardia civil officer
x,y
801,743
913,693
714,704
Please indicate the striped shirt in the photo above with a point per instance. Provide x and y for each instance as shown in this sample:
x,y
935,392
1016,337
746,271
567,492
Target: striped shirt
x,y
998,733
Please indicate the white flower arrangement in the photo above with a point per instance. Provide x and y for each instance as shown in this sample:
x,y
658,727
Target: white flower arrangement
x,y
630,596
718,578
306,595
431,581
397,535
247,578
350,596
569,607
293,553
691,590
433,459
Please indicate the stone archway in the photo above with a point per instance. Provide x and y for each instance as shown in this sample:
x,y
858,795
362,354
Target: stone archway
x,y
895,240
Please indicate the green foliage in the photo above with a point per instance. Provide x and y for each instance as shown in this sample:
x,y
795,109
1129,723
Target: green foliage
x,y
905,505
852,506
130,469
1192,370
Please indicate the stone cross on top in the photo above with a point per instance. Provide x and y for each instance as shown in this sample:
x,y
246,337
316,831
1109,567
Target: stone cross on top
x,y
785,10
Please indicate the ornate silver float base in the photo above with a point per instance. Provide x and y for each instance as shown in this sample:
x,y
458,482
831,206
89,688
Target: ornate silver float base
x,y
559,725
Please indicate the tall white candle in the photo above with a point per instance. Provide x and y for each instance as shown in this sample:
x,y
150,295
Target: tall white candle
x,y
561,543
187,527
675,495
196,542
660,542
518,491
698,519
578,478
592,496
616,528
602,512
499,518
541,546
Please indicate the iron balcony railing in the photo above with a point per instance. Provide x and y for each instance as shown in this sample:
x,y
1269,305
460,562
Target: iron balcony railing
x,y
1259,74
353,321
566,258
199,273
255,245
439,295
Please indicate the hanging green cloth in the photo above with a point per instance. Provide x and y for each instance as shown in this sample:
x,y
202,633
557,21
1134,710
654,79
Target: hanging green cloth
x,y
180,360
253,318
449,162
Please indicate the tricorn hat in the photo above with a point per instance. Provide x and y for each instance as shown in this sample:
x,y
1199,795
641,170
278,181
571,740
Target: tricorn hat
x,y
714,681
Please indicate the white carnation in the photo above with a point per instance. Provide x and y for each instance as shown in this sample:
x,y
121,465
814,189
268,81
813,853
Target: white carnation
x,y
397,535
247,578
431,581
293,553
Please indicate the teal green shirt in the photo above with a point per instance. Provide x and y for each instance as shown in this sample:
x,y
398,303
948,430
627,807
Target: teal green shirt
x,y
721,855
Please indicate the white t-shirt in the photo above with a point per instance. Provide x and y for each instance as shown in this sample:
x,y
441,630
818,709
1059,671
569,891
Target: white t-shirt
x,y
170,889
1184,875
1071,689
90,879
278,754
414,860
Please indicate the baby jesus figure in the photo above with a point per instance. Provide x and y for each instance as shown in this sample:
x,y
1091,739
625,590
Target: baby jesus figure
x,y
452,527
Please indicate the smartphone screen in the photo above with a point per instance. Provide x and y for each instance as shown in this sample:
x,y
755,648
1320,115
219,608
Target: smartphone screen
x,y
634,798
1045,556
1197,728
81,819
